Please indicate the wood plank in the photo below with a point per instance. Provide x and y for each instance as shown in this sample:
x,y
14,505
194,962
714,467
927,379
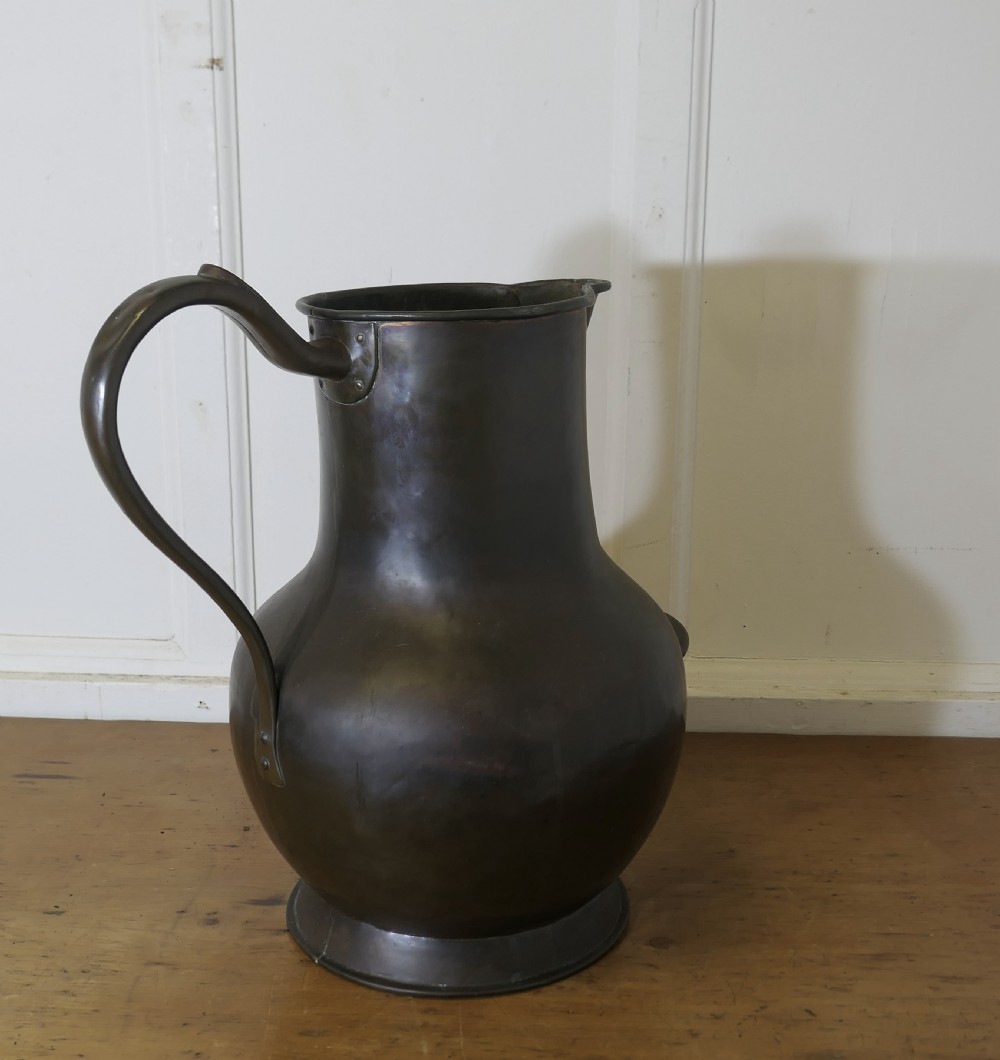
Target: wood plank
x,y
804,897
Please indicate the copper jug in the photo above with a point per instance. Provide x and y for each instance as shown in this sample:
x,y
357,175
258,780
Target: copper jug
x,y
461,720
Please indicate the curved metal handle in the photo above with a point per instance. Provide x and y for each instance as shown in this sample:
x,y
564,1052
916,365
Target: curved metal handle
x,y
109,356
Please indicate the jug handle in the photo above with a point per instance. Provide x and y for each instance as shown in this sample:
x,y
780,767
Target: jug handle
x,y
110,355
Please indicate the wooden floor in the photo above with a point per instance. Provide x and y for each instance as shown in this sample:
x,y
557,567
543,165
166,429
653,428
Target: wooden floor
x,y
802,897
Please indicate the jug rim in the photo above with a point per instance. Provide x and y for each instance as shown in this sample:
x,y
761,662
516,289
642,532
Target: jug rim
x,y
455,301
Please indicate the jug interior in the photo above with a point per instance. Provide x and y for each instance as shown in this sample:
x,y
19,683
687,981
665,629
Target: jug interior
x,y
438,301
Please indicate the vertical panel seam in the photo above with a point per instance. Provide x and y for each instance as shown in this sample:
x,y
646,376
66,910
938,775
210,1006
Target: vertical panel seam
x,y
623,176
702,45
228,190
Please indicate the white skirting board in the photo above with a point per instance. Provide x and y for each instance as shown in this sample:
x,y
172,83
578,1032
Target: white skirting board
x,y
850,717
845,697
811,697
105,698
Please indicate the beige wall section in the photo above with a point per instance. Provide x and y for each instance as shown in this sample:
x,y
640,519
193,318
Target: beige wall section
x,y
794,447
665,252
111,181
843,531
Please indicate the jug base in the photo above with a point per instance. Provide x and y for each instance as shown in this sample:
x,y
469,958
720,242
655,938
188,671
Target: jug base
x,y
425,966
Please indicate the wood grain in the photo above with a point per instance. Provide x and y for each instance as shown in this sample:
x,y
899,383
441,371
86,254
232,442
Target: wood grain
x,y
816,898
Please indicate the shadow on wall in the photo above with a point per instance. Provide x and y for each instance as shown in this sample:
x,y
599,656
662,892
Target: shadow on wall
x,y
798,400
822,482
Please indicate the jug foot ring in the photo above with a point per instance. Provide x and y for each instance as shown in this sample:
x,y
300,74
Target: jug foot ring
x,y
426,966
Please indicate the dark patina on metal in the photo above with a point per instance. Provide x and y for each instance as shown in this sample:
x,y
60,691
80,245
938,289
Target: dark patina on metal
x,y
461,720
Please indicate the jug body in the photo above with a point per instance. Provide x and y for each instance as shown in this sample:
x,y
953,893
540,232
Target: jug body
x,y
490,708
479,715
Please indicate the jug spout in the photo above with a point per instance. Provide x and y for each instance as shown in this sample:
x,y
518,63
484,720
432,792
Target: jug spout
x,y
586,289
595,287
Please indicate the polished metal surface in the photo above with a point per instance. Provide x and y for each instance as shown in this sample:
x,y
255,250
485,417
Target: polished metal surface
x,y
475,715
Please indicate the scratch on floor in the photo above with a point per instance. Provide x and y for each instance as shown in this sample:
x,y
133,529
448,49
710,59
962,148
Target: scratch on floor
x,y
270,1000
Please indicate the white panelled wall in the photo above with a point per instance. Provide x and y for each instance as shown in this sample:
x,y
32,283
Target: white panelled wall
x,y
793,383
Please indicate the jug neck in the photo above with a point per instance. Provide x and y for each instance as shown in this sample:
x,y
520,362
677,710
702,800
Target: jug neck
x,y
468,458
